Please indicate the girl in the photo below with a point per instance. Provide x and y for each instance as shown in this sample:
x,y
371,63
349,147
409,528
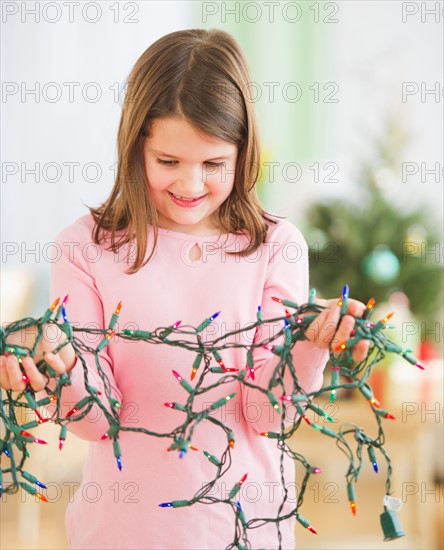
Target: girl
x,y
182,236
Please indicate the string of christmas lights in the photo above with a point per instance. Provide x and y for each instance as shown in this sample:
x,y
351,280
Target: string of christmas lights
x,y
350,438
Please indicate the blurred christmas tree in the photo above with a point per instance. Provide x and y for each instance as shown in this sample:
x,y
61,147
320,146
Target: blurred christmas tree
x,y
372,244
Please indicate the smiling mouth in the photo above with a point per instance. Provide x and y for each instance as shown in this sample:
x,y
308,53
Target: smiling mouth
x,y
187,199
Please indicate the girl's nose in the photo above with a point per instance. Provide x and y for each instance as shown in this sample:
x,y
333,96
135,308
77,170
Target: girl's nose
x,y
191,185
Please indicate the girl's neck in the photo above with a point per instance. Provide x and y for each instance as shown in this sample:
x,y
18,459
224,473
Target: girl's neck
x,y
210,228
190,231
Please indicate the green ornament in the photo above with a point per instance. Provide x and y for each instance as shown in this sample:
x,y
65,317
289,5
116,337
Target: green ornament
x,y
381,265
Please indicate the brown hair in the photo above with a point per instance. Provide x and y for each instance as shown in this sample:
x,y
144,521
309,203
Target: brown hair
x,y
202,76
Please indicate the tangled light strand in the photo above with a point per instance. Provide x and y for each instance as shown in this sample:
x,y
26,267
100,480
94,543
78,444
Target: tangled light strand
x,y
16,437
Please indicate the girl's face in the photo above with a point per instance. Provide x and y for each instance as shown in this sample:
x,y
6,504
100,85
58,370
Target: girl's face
x,y
189,174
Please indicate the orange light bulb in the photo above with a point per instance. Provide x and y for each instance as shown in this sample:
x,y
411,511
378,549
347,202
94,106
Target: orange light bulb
x,y
54,304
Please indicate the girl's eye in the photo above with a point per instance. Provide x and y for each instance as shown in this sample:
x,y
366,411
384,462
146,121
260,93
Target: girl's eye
x,y
172,162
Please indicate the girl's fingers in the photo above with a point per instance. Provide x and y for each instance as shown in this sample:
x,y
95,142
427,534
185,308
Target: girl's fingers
x,y
360,350
344,331
355,308
322,330
4,378
37,380
35,377
313,330
55,362
326,331
14,373
11,376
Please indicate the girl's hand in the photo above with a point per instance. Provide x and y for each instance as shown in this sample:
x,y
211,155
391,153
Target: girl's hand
x,y
11,376
324,331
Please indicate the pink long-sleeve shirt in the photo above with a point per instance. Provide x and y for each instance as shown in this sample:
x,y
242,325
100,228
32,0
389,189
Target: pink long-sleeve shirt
x,y
120,509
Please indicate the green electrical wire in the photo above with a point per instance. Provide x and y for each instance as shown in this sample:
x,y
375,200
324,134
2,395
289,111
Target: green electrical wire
x,y
350,438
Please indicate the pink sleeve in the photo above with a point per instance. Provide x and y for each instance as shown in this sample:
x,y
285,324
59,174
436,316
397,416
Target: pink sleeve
x,y
71,275
287,277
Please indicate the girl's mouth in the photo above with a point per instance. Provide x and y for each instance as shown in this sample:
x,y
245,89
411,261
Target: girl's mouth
x,y
185,201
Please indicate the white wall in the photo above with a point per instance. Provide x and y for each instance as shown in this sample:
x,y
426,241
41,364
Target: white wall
x,y
71,130
369,52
